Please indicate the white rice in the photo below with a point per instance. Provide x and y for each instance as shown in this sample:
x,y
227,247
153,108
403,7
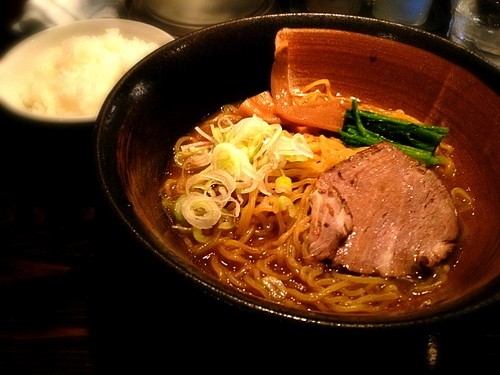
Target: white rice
x,y
75,78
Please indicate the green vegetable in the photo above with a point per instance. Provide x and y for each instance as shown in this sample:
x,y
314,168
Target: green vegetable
x,y
200,211
364,128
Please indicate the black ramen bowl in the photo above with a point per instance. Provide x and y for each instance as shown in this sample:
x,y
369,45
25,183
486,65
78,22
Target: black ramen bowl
x,y
390,65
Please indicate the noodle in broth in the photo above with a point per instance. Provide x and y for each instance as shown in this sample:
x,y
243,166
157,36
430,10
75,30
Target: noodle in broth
x,y
263,251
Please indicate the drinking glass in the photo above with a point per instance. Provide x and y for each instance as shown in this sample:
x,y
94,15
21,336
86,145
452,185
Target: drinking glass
x,y
410,12
475,24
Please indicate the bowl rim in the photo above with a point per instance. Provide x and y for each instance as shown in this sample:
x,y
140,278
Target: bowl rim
x,y
380,28
23,52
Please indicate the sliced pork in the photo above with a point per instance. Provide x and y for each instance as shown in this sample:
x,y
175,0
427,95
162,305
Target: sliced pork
x,y
382,213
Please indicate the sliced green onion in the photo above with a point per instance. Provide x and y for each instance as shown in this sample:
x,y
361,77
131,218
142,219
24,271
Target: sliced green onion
x,y
199,236
200,211
179,218
285,203
283,184
215,183
227,157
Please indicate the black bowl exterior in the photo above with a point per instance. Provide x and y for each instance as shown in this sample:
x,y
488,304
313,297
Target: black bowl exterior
x,y
170,91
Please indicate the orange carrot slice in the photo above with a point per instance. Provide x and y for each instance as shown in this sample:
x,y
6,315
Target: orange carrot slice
x,y
261,105
297,56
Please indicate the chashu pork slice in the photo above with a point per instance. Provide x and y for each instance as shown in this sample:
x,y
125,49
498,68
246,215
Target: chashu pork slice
x,y
382,213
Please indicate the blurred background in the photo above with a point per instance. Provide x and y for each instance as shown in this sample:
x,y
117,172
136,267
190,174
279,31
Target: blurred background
x,y
79,296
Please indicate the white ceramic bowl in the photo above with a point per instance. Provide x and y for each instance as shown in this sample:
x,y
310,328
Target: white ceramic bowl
x,y
17,63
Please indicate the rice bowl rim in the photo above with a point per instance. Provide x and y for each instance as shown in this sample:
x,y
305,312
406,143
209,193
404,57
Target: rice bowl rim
x,y
17,61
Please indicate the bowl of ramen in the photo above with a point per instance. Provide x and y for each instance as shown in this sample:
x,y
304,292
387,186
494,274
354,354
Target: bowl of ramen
x,y
327,169
61,75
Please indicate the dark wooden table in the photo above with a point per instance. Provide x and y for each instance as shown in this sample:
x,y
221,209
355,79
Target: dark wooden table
x,y
79,296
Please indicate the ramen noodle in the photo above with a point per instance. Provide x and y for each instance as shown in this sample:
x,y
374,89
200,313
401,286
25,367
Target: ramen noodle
x,y
258,242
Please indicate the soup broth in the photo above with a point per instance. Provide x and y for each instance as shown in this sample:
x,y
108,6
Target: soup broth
x,y
258,242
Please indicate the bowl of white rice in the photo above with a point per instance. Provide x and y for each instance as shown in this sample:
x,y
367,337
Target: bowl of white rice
x,y
63,74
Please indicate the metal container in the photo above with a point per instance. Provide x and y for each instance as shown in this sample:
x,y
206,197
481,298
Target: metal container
x,y
179,17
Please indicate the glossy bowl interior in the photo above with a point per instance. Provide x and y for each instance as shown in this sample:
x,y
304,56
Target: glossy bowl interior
x,y
17,63
395,66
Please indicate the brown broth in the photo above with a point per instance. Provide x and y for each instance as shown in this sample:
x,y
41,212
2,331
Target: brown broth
x,y
303,280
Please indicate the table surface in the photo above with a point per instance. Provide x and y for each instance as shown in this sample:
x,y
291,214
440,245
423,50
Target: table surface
x,y
79,296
